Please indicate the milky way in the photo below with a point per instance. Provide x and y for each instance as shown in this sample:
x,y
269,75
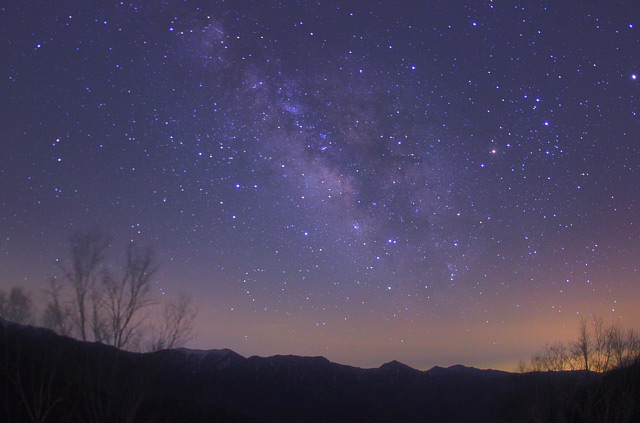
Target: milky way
x,y
432,183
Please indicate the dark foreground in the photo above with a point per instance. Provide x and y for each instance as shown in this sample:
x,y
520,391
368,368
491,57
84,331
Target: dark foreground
x,y
48,378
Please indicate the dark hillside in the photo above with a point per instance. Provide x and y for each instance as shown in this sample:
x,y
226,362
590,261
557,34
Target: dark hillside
x,y
46,377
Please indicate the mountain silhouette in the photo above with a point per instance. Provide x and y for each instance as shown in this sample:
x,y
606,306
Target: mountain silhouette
x,y
84,381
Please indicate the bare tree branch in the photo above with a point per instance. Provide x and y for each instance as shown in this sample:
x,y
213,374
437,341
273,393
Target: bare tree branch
x,y
16,306
87,251
176,324
114,310
125,297
57,315
582,348
598,348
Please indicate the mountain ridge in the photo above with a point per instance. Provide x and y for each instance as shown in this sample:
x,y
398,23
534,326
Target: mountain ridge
x,y
224,386
219,352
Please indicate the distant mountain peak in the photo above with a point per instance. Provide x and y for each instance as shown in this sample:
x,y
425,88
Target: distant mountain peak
x,y
200,360
396,366
460,367
218,353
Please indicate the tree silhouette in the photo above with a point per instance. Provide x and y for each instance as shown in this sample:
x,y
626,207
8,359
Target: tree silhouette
x,y
126,295
598,348
175,326
57,314
16,306
87,251
112,304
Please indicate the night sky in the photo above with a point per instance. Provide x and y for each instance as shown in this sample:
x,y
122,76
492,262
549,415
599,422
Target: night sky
x,y
420,181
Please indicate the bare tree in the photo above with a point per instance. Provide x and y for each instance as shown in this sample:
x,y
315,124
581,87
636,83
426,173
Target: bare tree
x,y
16,306
626,346
582,348
556,357
99,323
610,397
112,306
598,348
103,307
602,345
632,347
87,252
176,324
125,297
537,363
57,315
522,367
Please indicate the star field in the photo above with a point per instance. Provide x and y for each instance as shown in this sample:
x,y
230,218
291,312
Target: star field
x,y
431,183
